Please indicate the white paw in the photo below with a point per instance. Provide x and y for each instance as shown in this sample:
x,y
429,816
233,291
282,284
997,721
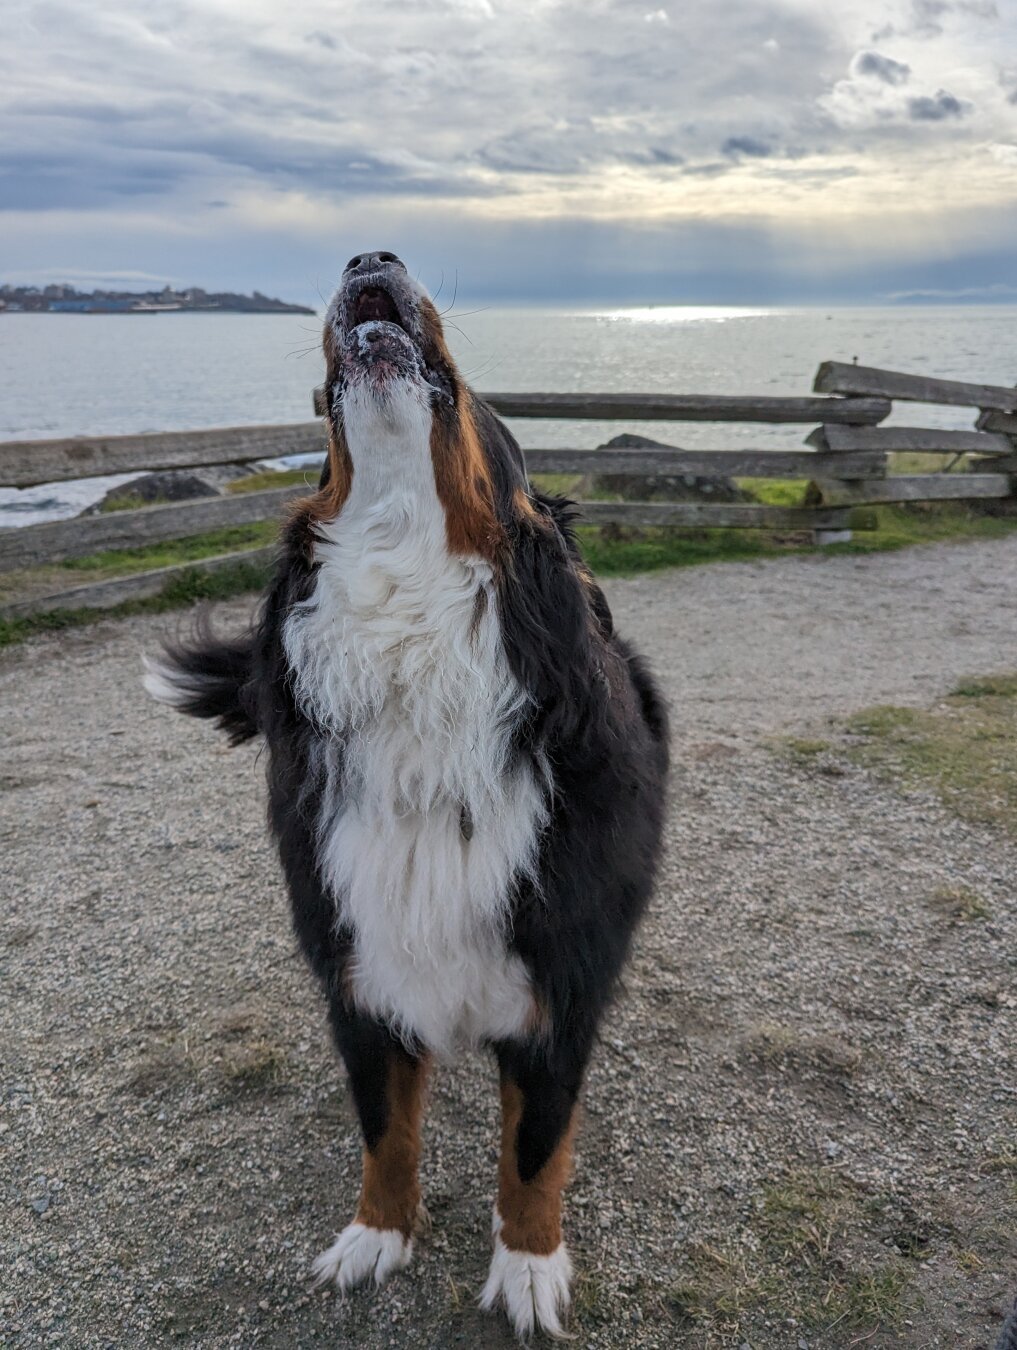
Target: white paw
x,y
359,1254
534,1290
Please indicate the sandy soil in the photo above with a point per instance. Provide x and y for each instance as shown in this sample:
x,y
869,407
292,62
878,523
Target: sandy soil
x,y
176,1141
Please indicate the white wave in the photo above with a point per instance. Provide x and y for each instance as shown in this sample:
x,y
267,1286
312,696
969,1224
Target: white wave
x,y
55,501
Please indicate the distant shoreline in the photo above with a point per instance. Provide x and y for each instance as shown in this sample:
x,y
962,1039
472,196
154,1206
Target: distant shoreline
x,y
177,309
63,299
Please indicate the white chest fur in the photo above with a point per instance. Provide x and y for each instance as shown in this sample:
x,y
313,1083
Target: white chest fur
x,y
398,656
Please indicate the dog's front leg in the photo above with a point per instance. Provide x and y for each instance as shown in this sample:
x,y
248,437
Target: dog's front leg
x,y
388,1089
531,1271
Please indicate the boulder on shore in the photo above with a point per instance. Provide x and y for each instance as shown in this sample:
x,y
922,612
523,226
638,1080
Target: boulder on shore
x,y
676,487
169,485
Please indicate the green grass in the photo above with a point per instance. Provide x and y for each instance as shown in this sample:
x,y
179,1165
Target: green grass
x,y
275,478
626,552
183,590
775,491
632,551
802,748
129,501
960,904
964,749
124,562
558,484
791,1262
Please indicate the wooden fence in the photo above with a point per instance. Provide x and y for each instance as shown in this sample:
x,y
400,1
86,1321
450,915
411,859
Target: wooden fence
x,y
847,462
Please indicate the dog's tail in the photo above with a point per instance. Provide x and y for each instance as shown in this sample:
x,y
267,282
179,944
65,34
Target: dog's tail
x,y
208,676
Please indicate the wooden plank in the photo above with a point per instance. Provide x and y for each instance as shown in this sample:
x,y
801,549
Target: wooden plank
x,y
689,408
838,377
928,440
680,407
25,463
989,419
104,594
929,487
709,463
711,515
60,539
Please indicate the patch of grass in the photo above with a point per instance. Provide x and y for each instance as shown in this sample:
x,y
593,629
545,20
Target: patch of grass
x,y
988,686
915,461
799,747
960,903
558,484
793,1262
775,491
969,1261
626,553
1002,1161
964,749
193,586
590,1299
129,501
783,1046
256,1066
123,562
871,1298
275,478
925,523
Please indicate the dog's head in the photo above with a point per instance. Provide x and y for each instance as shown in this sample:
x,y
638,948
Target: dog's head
x,y
385,350
381,326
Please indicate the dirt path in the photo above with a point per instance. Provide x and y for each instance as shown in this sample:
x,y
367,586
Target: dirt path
x,y
804,1108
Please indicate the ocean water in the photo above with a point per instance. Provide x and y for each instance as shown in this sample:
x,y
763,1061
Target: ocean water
x,y
69,374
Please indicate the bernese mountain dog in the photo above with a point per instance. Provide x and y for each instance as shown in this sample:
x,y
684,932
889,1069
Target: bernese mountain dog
x,y
466,775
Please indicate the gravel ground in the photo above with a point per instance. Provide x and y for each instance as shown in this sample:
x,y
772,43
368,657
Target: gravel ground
x,y
177,1142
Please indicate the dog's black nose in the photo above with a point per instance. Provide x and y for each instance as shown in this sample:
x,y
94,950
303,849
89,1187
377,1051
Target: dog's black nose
x,y
371,262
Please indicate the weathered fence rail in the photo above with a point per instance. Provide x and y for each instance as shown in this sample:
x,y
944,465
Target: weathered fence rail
x,y
848,466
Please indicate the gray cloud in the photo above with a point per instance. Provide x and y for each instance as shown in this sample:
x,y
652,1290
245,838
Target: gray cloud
x,y
938,107
746,145
883,68
435,97
928,18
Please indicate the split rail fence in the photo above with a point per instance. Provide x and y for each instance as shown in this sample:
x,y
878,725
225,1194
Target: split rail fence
x,y
848,461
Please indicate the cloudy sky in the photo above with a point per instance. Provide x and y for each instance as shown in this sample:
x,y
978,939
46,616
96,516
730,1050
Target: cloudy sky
x,y
538,150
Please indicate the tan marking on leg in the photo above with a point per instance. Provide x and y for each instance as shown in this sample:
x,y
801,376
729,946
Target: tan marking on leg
x,y
390,1193
530,1210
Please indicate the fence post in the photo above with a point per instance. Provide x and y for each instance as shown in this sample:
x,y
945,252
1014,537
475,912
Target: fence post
x,y
822,538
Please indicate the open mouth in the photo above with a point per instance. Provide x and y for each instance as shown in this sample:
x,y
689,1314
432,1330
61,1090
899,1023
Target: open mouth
x,y
375,304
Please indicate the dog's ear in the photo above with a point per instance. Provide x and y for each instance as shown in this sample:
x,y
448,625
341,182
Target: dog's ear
x,y
554,622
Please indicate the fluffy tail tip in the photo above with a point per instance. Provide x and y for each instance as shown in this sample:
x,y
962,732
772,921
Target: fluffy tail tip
x,y
166,683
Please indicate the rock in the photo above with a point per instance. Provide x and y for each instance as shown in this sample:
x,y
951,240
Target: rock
x,y
154,487
170,485
679,487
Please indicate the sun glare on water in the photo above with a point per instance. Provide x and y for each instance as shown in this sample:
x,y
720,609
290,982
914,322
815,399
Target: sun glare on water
x,y
683,314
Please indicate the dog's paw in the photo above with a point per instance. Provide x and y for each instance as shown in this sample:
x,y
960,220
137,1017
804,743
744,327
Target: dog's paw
x,y
534,1290
360,1254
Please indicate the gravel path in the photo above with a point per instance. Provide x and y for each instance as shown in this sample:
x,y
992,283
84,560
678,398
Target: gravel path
x,y
176,1141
